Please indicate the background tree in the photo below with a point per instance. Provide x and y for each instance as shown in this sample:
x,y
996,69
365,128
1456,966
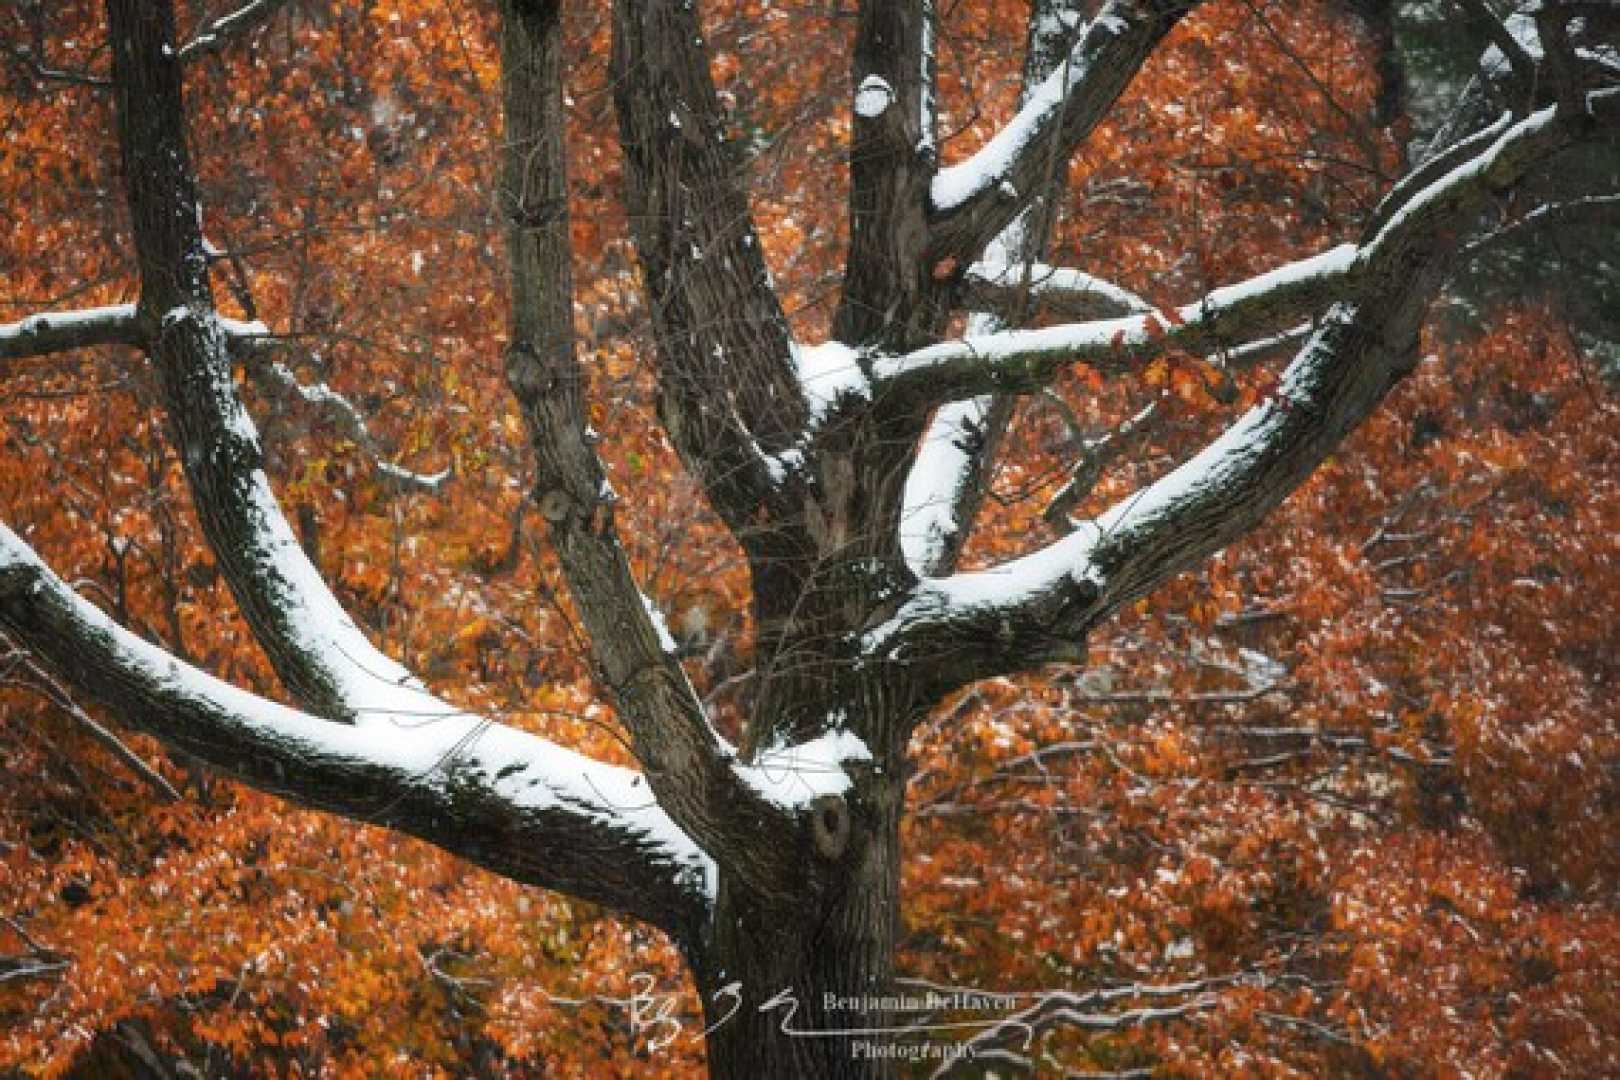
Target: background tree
x,y
847,474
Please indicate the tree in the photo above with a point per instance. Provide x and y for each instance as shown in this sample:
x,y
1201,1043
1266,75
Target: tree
x,y
850,474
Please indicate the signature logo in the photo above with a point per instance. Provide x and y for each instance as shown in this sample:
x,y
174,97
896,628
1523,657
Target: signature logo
x,y
656,1018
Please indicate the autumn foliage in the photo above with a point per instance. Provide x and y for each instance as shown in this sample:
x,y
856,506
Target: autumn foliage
x,y
1361,773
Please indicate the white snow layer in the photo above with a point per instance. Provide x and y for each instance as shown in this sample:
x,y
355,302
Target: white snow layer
x,y
792,776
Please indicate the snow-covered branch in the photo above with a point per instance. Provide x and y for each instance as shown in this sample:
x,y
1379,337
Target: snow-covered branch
x,y
948,479
692,769
1061,290
58,331
342,411
513,802
1025,359
974,200
1040,606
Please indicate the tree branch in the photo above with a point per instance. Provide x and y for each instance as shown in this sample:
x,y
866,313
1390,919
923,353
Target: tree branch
x,y
728,384
1007,288
1022,360
223,30
40,679
947,481
58,331
1039,607
512,802
315,647
891,159
973,201
690,767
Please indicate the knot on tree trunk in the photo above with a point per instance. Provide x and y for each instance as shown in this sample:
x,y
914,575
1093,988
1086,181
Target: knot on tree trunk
x,y
829,826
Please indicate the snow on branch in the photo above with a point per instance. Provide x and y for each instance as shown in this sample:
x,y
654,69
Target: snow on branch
x,y
948,477
511,801
1025,359
1039,606
992,286
929,519
997,161
58,331
972,201
340,409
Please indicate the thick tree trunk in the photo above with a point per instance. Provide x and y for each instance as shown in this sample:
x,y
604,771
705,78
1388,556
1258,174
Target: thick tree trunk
x,y
797,993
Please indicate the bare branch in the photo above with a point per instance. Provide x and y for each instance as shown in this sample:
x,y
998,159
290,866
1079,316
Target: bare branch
x,y
1602,211
728,385
59,697
319,396
1489,24
689,765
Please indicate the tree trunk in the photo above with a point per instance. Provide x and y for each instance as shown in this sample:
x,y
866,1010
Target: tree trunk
x,y
797,993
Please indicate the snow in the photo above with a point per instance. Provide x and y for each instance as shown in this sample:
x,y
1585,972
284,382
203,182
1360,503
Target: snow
x,y
1069,341
666,640
791,776
1522,27
873,97
828,372
928,519
530,772
66,320
1469,169
1329,264
993,163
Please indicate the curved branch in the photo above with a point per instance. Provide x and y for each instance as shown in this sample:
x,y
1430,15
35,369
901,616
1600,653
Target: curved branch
x,y
233,24
512,802
316,648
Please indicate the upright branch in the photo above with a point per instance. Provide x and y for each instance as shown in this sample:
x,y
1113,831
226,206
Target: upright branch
x,y
691,769
729,394
949,479
892,156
